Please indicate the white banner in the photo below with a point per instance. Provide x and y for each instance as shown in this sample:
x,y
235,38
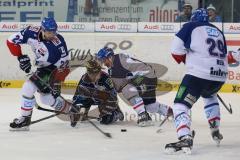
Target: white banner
x,y
232,28
62,26
75,27
115,27
158,27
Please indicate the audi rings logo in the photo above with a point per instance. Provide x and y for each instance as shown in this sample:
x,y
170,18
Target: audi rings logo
x,y
78,26
167,27
25,25
126,27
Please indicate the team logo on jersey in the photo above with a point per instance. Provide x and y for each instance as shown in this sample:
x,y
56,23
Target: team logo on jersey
x,y
218,72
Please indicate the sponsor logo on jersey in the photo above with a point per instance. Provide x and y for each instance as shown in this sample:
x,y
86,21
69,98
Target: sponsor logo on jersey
x,y
212,32
56,41
190,99
218,72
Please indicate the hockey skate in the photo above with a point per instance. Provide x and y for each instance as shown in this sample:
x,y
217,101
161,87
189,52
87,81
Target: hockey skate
x,y
144,119
216,135
120,115
20,124
185,144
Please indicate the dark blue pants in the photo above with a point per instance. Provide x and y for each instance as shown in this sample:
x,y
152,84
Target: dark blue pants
x,y
191,88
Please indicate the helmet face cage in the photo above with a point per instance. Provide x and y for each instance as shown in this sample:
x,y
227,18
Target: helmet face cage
x,y
104,53
200,15
49,24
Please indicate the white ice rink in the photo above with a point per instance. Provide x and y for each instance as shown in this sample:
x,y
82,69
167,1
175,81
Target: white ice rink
x,y
54,139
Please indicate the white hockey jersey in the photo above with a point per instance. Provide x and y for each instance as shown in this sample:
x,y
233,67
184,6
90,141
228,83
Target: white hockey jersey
x,y
45,52
205,48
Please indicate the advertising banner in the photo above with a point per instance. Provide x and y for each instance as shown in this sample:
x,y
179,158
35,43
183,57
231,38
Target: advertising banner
x,y
115,27
151,47
158,27
232,28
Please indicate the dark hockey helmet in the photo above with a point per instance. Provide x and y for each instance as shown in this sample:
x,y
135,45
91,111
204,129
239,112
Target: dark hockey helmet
x,y
93,67
49,24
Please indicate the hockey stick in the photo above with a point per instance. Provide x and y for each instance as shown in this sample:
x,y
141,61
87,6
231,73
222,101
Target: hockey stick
x,y
93,124
54,111
164,120
229,109
100,130
44,118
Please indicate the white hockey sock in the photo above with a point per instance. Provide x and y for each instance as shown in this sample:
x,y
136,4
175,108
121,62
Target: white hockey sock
x,y
27,105
157,107
182,119
139,107
212,112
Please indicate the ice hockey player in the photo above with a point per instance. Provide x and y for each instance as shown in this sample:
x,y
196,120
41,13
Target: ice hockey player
x,y
96,88
51,59
201,46
137,82
234,56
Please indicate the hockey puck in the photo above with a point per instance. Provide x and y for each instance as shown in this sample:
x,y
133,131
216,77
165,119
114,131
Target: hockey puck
x,y
123,130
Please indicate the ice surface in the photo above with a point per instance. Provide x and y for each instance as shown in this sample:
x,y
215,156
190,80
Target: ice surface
x,y
54,139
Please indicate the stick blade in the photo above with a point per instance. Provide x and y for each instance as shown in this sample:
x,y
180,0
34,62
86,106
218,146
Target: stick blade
x,y
230,109
108,135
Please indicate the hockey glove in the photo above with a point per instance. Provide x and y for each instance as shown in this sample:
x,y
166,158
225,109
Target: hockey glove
x,y
109,118
25,63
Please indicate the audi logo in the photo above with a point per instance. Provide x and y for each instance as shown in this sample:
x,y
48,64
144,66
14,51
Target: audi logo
x,y
78,26
25,25
124,27
166,27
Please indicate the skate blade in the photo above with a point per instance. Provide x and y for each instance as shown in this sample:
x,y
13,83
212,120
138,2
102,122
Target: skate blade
x,y
26,128
170,151
187,150
145,124
217,141
159,130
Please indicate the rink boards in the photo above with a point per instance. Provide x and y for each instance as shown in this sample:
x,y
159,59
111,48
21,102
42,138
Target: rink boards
x,y
153,48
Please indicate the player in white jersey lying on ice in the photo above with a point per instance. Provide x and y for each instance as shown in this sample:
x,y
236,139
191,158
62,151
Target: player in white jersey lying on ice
x,y
137,82
51,58
201,46
96,88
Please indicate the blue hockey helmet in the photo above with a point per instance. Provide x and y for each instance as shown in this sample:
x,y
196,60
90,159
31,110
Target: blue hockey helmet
x,y
105,53
49,24
200,15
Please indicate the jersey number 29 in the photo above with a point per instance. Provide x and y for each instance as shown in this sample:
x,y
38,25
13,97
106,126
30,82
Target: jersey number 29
x,y
219,45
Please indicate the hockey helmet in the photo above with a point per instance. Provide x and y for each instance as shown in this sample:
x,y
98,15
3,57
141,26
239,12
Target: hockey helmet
x,y
200,15
93,67
105,53
49,24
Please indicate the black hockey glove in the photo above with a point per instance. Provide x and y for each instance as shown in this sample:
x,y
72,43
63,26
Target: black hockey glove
x,y
111,118
25,63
